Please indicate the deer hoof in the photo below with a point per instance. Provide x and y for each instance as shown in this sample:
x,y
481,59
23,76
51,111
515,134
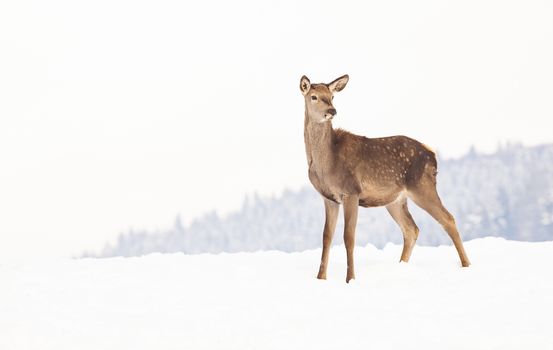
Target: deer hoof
x,y
349,278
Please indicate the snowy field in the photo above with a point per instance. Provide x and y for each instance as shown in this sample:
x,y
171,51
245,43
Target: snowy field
x,y
271,300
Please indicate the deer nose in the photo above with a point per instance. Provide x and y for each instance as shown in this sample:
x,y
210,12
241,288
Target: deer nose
x,y
331,111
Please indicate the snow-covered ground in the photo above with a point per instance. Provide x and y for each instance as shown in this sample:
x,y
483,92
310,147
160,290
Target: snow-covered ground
x,y
271,300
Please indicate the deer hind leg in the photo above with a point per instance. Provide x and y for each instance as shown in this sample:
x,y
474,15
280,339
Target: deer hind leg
x,y
399,212
351,208
426,197
331,213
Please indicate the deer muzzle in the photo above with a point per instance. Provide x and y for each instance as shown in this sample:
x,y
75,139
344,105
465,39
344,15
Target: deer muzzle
x,y
330,113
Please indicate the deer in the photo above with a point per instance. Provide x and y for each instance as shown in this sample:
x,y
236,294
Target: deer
x,y
355,171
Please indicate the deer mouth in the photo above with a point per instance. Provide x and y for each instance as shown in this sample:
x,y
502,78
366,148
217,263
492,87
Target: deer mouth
x,y
328,117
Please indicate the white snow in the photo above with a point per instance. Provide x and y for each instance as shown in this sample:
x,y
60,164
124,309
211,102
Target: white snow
x,y
271,300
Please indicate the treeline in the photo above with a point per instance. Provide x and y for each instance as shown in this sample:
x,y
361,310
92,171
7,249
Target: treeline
x,y
508,194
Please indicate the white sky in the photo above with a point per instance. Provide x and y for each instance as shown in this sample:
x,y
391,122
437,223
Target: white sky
x,y
118,114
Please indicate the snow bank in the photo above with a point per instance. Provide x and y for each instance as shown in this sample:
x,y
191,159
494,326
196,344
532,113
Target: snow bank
x,y
271,300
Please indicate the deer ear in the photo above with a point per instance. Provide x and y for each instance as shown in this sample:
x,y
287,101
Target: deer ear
x,y
339,84
305,85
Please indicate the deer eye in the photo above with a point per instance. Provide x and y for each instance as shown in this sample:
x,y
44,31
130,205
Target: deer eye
x,y
332,97
314,98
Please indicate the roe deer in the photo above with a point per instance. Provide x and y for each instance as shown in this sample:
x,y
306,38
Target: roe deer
x,y
357,171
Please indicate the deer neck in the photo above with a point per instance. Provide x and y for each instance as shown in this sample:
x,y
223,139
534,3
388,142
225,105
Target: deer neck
x,y
319,140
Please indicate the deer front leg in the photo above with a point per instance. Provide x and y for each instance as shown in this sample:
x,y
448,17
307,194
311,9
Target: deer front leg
x,y
331,213
351,207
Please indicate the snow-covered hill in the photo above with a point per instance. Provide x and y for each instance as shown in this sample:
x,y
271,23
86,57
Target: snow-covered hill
x,y
271,300
508,193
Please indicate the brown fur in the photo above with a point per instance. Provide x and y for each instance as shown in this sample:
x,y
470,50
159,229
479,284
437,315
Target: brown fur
x,y
357,171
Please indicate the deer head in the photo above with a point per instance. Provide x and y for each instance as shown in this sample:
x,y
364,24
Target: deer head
x,y
318,98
